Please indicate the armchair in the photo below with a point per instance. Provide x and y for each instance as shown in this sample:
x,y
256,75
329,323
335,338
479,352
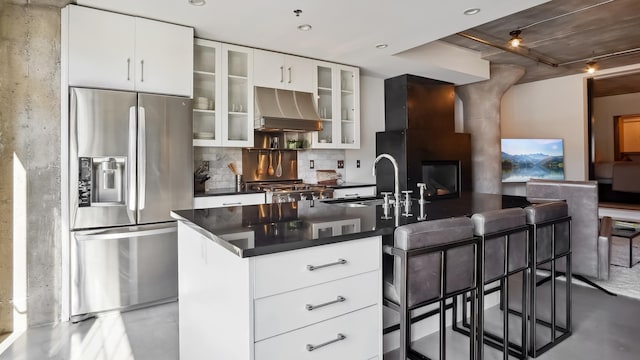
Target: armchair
x,y
591,253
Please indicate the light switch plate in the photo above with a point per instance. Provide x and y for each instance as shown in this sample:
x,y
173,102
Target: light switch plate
x,y
312,164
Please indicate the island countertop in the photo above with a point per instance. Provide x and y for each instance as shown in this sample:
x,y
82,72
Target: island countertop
x,y
273,228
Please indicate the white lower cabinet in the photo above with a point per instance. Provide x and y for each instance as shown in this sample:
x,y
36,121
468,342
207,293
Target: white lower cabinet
x,y
354,192
351,336
232,308
205,202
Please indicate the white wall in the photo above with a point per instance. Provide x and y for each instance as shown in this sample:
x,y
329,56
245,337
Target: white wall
x,y
605,108
371,121
555,108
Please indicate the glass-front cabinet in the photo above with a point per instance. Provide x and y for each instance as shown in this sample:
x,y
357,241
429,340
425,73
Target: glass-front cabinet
x,y
207,93
337,94
223,95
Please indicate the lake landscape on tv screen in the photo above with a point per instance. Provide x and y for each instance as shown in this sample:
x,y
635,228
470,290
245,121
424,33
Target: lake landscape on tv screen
x,y
524,159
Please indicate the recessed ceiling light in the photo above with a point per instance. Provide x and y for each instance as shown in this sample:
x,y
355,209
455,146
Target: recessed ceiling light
x,y
304,27
472,11
197,2
381,46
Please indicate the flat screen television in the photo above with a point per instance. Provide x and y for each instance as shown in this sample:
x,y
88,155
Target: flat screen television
x,y
524,159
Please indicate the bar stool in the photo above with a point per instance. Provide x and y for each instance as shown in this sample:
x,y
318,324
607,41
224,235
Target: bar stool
x,y
504,252
432,262
549,242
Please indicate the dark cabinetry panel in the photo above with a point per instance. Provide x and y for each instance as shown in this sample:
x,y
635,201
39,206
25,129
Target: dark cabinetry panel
x,y
419,123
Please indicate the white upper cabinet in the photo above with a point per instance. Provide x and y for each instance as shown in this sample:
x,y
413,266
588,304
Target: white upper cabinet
x,y
101,49
114,51
164,58
237,96
337,93
280,71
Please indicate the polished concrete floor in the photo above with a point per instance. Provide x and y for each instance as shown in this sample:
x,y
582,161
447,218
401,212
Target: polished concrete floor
x,y
605,327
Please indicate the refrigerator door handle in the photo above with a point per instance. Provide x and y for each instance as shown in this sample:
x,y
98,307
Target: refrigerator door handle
x,y
142,160
132,159
107,235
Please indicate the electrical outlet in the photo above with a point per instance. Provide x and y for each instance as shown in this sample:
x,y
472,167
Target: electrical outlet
x,y
340,164
358,164
312,164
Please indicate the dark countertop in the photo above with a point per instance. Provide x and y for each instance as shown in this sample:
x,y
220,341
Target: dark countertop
x,y
290,226
232,191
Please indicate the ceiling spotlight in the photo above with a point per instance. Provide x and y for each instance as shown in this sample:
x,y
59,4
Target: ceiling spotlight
x,y
381,46
304,27
197,2
471,11
591,67
515,40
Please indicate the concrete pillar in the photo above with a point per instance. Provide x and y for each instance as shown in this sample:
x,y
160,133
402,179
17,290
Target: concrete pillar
x,y
30,134
481,111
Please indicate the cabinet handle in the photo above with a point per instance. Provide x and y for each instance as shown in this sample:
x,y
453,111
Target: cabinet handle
x,y
355,194
233,203
141,70
281,74
339,337
128,69
289,74
315,267
339,299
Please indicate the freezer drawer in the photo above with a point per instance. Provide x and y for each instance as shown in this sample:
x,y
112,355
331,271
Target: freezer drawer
x,y
121,267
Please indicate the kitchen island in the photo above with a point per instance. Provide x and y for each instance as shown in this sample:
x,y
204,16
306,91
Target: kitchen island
x,y
293,280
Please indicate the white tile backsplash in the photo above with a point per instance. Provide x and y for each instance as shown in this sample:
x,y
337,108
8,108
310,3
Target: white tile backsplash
x,y
219,159
323,159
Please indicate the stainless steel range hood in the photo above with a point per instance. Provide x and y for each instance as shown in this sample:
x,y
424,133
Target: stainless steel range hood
x,y
285,110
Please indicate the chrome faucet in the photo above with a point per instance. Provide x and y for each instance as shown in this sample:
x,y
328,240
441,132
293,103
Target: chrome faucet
x,y
396,192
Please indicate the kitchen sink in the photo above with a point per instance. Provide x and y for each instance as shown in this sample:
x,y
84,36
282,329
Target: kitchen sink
x,y
356,202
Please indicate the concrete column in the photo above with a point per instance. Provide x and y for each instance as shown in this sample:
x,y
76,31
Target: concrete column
x,y
481,111
30,134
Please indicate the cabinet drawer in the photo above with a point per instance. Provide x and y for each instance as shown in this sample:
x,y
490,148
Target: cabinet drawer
x,y
361,331
354,192
292,270
289,311
204,202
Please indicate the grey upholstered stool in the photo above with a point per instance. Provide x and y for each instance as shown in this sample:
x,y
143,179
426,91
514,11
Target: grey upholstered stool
x,y
504,252
550,242
433,261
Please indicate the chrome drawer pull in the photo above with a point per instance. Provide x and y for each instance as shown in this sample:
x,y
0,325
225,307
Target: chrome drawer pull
x,y
314,267
314,347
232,203
337,300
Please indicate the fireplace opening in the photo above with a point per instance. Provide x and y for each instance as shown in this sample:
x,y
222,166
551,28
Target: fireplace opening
x,y
442,178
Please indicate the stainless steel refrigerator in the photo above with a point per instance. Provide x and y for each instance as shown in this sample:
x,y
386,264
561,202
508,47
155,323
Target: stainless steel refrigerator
x,y
130,163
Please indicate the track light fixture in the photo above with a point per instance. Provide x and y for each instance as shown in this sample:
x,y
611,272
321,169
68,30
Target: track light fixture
x,y
515,40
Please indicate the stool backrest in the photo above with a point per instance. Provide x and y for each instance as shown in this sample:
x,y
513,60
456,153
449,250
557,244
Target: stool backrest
x,y
544,213
499,229
424,267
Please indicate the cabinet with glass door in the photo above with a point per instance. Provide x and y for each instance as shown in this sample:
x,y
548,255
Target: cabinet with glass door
x,y
337,94
207,93
223,95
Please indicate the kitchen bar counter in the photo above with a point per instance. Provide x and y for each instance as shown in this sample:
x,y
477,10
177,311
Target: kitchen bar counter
x,y
289,226
232,191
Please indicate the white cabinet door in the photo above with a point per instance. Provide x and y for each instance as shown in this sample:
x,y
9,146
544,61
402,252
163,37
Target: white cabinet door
x,y
237,96
207,93
280,71
298,73
101,49
164,58
268,69
337,91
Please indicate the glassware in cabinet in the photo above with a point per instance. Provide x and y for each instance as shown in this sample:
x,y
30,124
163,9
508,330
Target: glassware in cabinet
x,y
238,96
206,93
